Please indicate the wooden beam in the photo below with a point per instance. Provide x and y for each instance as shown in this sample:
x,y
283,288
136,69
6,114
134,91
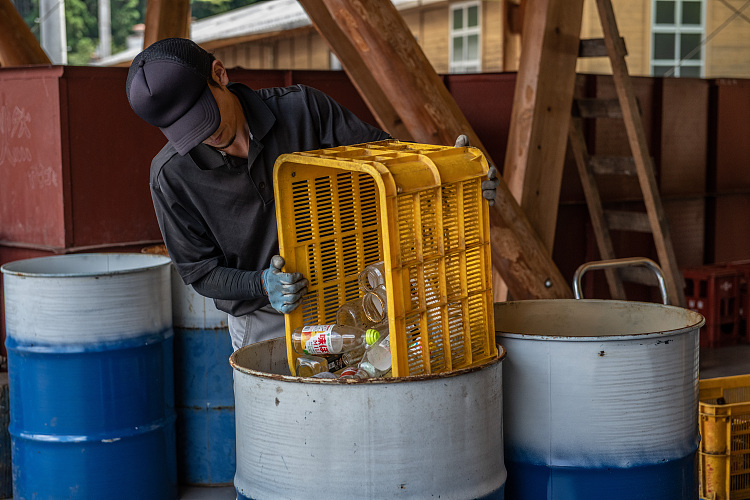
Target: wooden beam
x,y
543,97
18,45
166,19
410,101
512,28
519,255
386,64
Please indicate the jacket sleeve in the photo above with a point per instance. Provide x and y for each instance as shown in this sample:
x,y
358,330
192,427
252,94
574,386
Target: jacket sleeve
x,y
337,126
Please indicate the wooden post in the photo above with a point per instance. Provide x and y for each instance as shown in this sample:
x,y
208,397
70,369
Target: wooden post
x,y
18,46
166,19
538,134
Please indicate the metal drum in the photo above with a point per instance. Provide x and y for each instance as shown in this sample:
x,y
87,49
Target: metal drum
x,y
601,399
434,436
89,340
204,399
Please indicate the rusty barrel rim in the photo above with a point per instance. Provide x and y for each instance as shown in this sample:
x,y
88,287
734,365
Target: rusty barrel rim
x,y
501,352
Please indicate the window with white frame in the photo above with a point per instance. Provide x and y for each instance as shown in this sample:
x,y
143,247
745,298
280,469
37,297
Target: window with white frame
x,y
465,47
677,28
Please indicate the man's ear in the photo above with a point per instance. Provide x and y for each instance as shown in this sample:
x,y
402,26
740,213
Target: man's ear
x,y
219,72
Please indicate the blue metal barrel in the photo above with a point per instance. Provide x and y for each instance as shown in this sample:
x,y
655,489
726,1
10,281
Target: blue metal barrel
x,y
601,399
204,398
89,341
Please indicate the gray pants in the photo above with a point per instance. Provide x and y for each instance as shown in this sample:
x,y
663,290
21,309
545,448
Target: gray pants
x,y
263,324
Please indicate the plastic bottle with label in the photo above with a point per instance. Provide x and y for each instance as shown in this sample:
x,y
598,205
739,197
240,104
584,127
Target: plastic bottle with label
x,y
330,339
362,371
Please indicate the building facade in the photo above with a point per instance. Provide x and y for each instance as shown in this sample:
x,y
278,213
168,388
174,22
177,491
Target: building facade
x,y
675,38
681,38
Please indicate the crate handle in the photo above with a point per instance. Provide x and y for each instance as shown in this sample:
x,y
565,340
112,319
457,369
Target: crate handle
x,y
628,261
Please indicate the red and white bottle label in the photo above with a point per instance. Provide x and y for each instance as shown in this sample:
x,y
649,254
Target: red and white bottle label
x,y
317,339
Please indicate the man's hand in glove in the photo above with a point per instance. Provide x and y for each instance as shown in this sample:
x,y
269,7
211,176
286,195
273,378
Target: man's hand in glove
x,y
462,141
489,187
284,290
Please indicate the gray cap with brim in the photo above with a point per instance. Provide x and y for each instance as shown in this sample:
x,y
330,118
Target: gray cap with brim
x,y
168,87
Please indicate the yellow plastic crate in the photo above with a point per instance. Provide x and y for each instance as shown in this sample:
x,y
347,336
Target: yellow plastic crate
x,y
419,209
724,455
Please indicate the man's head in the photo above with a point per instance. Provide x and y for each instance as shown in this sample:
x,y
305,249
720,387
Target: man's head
x,y
168,86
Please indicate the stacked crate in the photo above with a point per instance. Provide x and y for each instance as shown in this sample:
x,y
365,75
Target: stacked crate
x,y
419,209
724,422
719,293
743,267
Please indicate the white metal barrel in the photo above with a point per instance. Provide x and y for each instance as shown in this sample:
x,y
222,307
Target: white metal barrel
x,y
435,436
204,401
601,399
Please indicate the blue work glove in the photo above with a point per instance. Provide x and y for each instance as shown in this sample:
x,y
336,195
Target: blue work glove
x,y
284,290
489,187
462,141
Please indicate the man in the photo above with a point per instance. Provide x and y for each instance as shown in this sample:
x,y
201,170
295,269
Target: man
x,y
212,183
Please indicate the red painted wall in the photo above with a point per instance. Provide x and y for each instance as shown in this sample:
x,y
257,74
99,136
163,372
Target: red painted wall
x,y
74,160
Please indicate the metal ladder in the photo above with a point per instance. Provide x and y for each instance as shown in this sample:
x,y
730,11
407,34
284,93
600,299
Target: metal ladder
x,y
590,167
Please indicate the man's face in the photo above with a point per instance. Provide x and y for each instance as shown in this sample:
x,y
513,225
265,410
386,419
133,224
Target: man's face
x,y
224,136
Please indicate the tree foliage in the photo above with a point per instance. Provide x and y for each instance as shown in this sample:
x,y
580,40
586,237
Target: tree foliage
x,y
82,22
207,8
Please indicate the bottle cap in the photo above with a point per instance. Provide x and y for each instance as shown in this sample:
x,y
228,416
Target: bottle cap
x,y
371,336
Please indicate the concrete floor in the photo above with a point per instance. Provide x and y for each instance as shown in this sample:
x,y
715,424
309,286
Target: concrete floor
x,y
208,493
725,361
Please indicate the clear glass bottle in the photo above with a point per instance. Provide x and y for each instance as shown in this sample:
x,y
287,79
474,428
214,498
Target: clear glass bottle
x,y
372,276
378,355
375,304
349,372
330,339
367,370
349,358
308,365
366,311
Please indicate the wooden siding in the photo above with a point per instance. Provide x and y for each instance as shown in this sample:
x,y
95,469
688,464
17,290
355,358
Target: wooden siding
x,y
727,54
633,20
492,36
434,29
